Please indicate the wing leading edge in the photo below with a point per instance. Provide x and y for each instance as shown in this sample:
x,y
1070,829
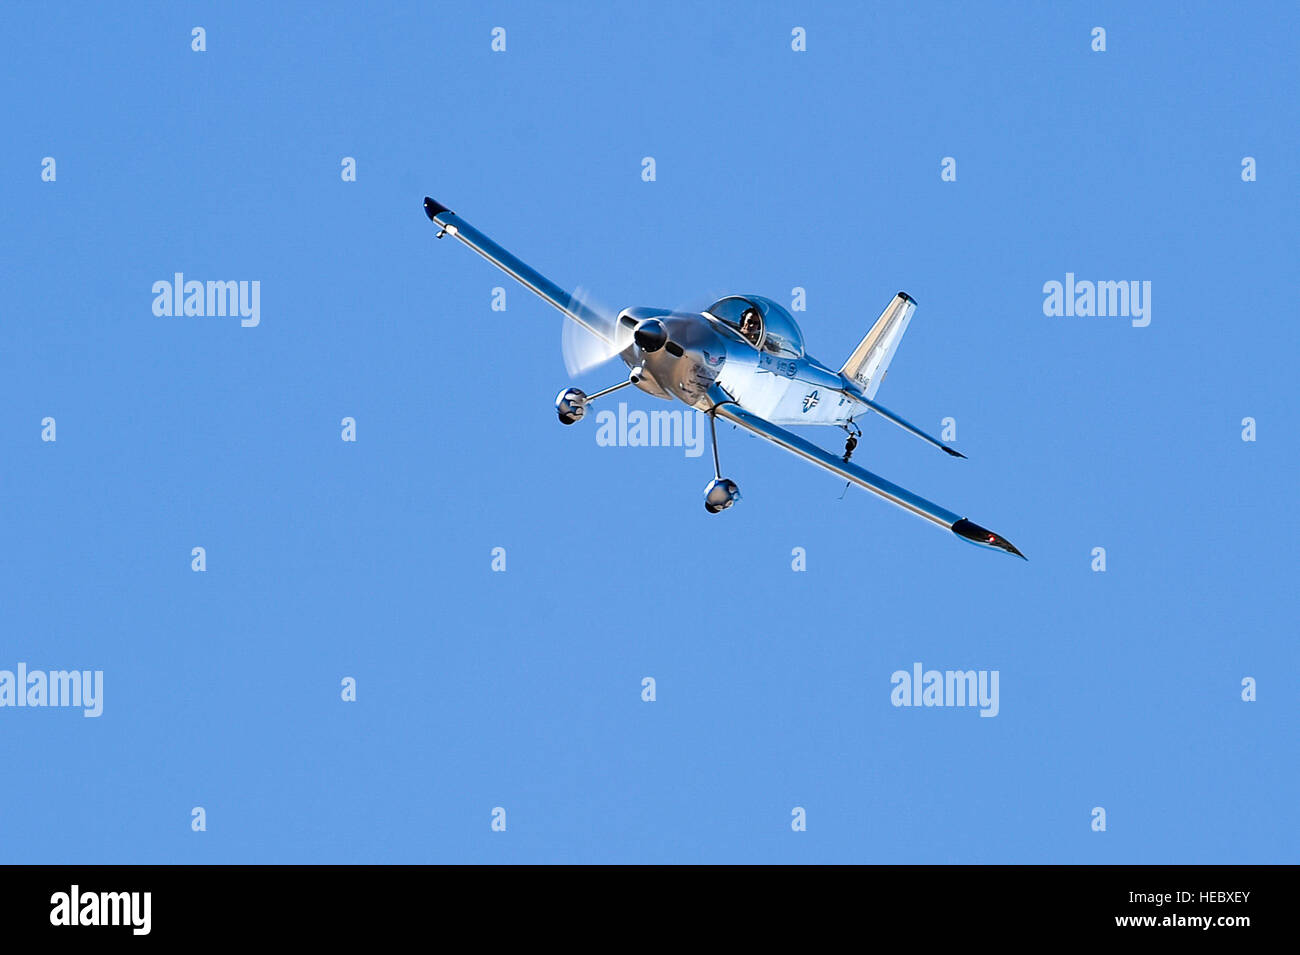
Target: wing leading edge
x,y
967,530
451,224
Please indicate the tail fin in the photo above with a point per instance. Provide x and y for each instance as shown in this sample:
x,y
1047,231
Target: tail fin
x,y
869,362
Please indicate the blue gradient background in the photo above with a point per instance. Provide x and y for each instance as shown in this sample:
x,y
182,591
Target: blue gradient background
x,y
522,689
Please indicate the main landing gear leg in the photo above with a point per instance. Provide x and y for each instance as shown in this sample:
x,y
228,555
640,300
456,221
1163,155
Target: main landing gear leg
x,y
721,492
571,403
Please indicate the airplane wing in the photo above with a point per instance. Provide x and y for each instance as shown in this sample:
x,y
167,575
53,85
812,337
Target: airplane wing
x,y
453,225
967,530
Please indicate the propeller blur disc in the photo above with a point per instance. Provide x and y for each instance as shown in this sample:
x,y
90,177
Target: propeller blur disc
x,y
581,349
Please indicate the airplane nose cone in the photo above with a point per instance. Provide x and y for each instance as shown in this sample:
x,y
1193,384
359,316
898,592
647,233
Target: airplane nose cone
x,y
650,335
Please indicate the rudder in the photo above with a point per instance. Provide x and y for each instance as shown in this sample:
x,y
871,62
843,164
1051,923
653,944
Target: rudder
x,y
869,363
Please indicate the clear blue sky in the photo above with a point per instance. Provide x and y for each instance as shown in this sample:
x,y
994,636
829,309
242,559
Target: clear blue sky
x,y
521,689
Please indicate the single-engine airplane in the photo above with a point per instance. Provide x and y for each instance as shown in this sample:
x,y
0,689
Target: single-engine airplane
x,y
741,359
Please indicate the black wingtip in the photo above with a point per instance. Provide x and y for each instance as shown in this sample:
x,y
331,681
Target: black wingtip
x,y
953,451
969,530
433,207
906,298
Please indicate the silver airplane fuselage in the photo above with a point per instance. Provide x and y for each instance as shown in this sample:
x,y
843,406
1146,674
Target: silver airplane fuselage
x,y
704,352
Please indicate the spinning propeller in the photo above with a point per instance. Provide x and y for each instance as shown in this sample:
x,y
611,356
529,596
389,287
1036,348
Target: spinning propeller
x,y
583,350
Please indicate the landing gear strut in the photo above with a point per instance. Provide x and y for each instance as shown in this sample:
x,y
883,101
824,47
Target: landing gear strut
x,y
571,403
850,445
721,492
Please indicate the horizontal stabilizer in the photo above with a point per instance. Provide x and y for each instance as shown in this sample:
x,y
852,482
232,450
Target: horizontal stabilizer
x,y
908,426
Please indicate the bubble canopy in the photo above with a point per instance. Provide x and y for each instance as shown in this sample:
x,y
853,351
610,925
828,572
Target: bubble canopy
x,y
776,331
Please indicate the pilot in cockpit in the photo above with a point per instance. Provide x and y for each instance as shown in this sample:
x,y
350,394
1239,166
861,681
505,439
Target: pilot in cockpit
x,y
751,326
